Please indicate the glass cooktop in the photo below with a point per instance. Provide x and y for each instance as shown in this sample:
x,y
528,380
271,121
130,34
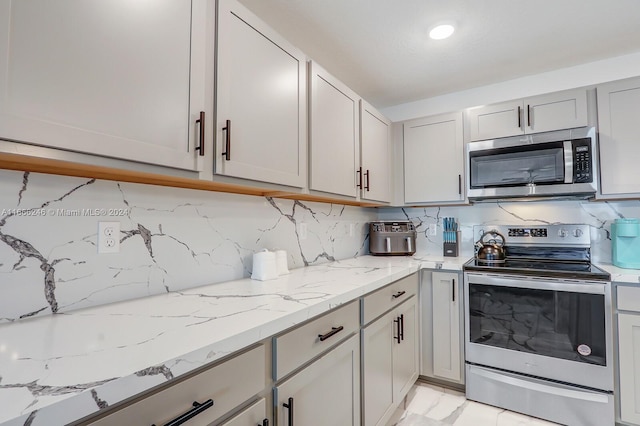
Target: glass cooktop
x,y
542,268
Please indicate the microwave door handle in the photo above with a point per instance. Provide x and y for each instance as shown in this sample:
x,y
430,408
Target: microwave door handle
x,y
387,240
568,162
409,248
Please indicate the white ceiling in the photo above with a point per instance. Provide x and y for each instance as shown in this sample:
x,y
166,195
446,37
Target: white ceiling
x,y
381,48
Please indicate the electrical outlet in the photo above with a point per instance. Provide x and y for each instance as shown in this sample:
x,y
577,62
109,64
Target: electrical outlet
x,y
108,237
433,230
302,231
351,229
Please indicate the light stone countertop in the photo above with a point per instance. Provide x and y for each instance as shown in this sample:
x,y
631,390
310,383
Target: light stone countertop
x,y
59,368
621,275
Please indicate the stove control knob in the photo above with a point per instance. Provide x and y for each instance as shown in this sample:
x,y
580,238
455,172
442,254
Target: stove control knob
x,y
562,233
577,233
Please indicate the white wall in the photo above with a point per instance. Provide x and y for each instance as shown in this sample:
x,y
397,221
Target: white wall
x,y
566,78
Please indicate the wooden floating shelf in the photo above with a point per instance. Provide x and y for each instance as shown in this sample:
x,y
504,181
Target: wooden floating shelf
x,y
28,163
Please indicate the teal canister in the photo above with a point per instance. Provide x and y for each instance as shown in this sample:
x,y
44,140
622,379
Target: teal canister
x,y
625,243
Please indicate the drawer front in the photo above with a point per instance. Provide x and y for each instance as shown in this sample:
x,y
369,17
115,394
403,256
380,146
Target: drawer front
x,y
629,298
228,384
304,343
380,301
254,415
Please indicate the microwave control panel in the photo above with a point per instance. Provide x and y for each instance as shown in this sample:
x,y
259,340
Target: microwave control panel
x,y
582,164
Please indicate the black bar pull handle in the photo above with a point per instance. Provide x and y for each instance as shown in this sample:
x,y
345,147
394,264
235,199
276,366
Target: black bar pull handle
x,y
402,327
459,184
197,409
529,115
289,406
227,145
334,330
519,118
397,323
366,185
201,122
359,177
398,294
265,422
453,291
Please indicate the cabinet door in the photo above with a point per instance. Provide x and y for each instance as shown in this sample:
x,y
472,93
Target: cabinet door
x,y
405,352
629,353
334,134
377,370
326,393
255,415
445,309
556,111
496,121
618,112
261,101
375,152
104,77
433,159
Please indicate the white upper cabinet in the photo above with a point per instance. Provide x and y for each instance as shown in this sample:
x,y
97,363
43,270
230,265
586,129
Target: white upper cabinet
x,y
375,154
115,78
496,121
618,116
334,132
433,159
261,101
544,113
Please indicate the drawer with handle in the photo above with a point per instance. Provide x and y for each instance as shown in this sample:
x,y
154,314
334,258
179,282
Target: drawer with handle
x,y
303,343
380,301
200,399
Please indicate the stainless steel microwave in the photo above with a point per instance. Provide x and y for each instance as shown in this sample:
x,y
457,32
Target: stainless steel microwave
x,y
554,164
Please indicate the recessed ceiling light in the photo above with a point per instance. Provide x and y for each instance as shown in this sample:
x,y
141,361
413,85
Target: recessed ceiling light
x,y
441,31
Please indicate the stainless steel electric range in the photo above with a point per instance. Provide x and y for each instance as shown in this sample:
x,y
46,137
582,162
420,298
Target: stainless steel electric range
x,y
538,326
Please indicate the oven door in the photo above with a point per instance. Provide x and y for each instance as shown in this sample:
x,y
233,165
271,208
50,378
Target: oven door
x,y
549,328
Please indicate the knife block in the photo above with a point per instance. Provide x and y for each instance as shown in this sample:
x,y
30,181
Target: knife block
x,y
451,248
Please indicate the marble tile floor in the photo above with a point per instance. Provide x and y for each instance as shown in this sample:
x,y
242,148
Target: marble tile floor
x,y
430,405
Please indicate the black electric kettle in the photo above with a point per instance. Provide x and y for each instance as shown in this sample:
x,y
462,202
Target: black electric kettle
x,y
490,251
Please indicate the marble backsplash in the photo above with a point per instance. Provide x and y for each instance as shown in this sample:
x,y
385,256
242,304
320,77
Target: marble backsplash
x,y
173,239
170,239
598,215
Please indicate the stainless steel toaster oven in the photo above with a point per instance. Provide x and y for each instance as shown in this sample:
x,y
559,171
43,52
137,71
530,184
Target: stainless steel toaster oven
x,y
392,238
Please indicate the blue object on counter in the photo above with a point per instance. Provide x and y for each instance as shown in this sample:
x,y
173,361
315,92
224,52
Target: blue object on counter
x,y
625,243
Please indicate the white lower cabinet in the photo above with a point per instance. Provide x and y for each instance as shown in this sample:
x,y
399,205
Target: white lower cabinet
x,y
254,415
389,358
325,393
442,320
629,354
207,396
405,352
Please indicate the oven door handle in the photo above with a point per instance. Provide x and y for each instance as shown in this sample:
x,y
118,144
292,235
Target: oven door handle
x,y
568,161
577,286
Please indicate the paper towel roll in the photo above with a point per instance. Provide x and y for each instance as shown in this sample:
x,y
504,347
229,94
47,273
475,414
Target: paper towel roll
x,y
281,262
264,266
